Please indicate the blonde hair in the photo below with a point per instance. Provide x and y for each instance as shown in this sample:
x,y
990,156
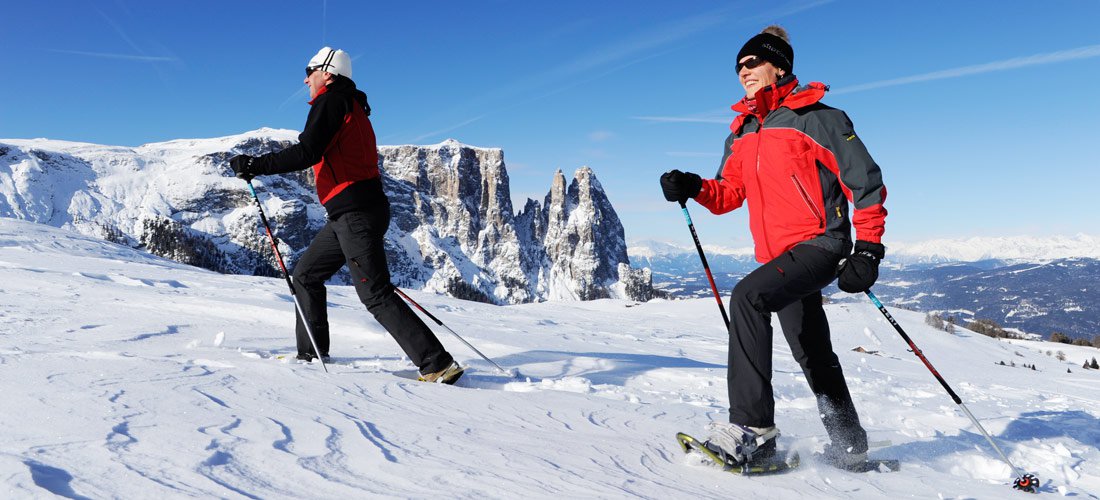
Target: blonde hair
x,y
778,31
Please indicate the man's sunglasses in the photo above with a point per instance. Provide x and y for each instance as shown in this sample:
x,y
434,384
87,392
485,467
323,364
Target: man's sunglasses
x,y
751,62
309,70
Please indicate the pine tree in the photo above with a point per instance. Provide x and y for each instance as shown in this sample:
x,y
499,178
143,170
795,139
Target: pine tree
x,y
1095,366
1086,365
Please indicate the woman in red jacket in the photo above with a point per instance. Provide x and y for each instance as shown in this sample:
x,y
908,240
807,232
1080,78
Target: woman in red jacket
x,y
338,142
799,165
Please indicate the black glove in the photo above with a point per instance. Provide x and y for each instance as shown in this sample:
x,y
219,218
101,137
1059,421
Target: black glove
x,y
860,270
242,166
679,186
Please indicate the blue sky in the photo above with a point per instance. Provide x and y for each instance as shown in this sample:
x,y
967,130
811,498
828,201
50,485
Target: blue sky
x,y
983,115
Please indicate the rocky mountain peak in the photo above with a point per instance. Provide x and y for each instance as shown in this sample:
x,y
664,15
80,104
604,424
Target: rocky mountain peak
x,y
454,229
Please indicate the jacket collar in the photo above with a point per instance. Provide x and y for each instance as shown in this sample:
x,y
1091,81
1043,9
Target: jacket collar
x,y
784,93
319,94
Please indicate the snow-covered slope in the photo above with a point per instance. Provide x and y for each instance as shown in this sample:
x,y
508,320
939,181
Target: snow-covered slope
x,y
128,376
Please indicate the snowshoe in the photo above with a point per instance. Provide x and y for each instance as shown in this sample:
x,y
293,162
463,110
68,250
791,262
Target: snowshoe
x,y
767,462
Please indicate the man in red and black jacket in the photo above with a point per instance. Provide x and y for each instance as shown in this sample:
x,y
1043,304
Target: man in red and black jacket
x,y
338,142
799,165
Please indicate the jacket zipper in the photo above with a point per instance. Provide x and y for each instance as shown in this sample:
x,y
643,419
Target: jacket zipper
x,y
809,202
760,189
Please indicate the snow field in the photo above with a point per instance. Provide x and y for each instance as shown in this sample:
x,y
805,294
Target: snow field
x,y
129,376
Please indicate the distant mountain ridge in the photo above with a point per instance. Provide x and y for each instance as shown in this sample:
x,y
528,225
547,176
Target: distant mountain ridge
x,y
454,230
975,249
1038,285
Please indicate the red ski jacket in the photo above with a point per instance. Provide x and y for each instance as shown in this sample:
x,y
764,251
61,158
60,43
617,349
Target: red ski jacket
x,y
351,155
338,142
798,163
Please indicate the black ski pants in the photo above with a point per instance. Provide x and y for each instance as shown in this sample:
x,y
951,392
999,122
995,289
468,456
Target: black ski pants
x,y
356,239
790,286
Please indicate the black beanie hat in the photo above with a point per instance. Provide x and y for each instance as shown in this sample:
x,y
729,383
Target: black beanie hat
x,y
769,48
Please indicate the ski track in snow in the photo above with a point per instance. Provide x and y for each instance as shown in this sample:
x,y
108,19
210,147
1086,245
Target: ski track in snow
x,y
129,376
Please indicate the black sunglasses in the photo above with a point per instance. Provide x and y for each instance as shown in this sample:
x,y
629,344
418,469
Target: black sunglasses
x,y
309,70
751,62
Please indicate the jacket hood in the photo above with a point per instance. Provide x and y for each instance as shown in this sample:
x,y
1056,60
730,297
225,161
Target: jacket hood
x,y
346,86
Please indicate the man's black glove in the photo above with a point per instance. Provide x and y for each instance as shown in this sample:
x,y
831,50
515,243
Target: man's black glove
x,y
860,270
242,166
680,186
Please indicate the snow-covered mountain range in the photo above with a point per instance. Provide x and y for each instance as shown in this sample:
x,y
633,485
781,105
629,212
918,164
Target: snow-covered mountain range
x,y
1034,285
454,229
1014,249
938,251
125,375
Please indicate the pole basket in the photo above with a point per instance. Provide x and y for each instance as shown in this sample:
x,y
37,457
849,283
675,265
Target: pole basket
x,y
1027,483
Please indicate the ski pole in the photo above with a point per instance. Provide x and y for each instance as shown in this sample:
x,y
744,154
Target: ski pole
x,y
1025,482
440,323
706,267
286,275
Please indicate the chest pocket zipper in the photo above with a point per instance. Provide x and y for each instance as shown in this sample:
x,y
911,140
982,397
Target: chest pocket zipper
x,y
809,202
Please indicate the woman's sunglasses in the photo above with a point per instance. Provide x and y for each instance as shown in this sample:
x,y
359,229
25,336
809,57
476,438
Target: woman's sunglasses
x,y
751,62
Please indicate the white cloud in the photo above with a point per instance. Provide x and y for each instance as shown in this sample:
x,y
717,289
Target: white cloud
x,y
108,55
1014,63
601,135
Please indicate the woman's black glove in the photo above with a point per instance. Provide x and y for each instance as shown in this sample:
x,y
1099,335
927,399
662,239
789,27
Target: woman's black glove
x,y
242,166
860,270
680,186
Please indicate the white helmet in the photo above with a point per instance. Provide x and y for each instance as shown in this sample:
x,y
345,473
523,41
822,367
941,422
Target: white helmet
x,y
333,61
